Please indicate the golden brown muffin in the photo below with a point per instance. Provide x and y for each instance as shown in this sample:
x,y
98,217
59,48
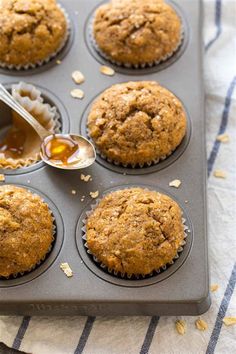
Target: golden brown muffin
x,y
136,32
30,31
135,231
26,230
137,122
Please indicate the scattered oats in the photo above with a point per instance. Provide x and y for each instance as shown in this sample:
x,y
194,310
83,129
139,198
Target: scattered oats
x,y
214,287
229,321
106,70
94,194
201,324
85,178
58,62
2,178
181,326
73,191
77,93
223,138
220,174
66,269
175,183
78,77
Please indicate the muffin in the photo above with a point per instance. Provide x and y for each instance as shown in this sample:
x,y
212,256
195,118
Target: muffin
x,y
20,143
137,123
30,31
136,32
135,231
26,230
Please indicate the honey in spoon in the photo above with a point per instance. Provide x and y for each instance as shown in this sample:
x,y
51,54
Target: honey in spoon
x,y
62,151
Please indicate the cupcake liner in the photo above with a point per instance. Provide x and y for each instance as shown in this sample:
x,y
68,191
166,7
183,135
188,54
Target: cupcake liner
x,y
129,65
47,59
136,165
47,115
125,275
20,274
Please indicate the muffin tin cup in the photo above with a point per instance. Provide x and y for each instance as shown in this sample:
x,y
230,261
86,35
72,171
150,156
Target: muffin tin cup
x,y
126,275
32,103
28,66
21,274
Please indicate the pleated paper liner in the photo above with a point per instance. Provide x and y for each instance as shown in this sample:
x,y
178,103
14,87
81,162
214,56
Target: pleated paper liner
x,y
47,59
30,98
129,65
125,275
129,165
35,266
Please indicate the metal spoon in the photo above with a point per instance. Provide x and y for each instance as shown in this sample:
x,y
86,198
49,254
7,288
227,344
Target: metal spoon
x,y
85,155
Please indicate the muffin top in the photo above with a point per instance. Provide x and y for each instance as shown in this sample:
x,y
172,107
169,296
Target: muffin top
x,y
30,31
137,122
136,32
26,230
135,231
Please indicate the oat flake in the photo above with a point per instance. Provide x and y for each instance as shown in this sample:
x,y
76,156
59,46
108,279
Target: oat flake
x,y
220,174
78,77
181,326
2,178
223,138
201,325
175,183
85,178
77,93
106,70
229,321
214,287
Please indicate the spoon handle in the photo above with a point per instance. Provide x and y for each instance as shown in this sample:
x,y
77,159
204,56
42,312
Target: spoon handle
x,y
7,98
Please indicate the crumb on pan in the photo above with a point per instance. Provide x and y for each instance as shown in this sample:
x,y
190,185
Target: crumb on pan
x,y
85,178
94,194
66,269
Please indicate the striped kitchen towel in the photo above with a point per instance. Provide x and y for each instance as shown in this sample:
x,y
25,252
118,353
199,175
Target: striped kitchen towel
x,y
133,335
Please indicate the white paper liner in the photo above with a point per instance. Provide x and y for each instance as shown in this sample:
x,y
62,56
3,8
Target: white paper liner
x,y
33,103
136,165
18,275
125,275
129,65
47,59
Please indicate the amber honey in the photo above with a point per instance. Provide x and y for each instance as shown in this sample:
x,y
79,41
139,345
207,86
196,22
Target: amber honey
x,y
61,150
13,144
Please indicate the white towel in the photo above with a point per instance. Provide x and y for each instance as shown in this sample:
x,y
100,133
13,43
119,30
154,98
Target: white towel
x,y
133,335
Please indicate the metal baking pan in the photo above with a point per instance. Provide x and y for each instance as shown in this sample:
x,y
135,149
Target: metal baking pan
x,y
181,289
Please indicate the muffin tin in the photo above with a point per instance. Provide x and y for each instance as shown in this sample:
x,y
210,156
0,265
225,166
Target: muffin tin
x,y
183,287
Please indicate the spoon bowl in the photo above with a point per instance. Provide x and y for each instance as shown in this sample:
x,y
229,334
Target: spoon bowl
x,y
83,156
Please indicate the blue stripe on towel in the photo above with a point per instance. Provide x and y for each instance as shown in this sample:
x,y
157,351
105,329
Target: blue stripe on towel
x,y
217,23
21,332
223,125
85,334
149,335
222,311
